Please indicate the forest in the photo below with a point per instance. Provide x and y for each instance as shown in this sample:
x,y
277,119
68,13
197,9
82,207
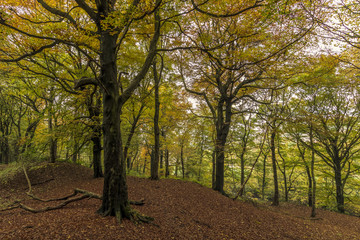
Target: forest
x,y
256,99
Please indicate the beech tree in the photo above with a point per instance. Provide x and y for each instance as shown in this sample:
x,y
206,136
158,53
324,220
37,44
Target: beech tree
x,y
109,22
233,54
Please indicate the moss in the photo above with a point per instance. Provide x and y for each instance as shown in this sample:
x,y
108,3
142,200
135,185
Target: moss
x,y
9,172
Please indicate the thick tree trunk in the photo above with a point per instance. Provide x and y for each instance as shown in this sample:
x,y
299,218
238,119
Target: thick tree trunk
x,y
222,131
275,177
115,196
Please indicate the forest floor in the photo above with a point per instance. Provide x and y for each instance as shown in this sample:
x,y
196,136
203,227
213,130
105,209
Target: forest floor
x,y
181,209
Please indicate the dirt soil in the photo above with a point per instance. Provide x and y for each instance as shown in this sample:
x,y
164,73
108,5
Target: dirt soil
x,y
182,210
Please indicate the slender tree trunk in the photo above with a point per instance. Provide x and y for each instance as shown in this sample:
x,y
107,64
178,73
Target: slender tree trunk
x,y
200,162
75,151
161,159
313,193
29,134
286,187
242,171
275,177
144,167
97,156
155,160
182,160
313,182
53,142
132,131
310,186
5,150
213,169
263,178
167,172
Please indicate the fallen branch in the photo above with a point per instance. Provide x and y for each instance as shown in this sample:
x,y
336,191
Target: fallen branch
x,y
27,179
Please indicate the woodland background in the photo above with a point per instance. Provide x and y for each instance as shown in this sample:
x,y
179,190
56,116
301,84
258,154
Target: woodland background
x,y
258,99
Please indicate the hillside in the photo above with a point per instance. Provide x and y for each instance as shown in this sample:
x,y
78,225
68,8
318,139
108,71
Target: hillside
x,y
182,210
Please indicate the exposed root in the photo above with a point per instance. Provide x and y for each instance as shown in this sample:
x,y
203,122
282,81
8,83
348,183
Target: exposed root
x,y
134,215
137,218
63,204
138,203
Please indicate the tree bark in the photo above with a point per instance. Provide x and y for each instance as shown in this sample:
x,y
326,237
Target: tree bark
x,y
96,152
115,196
339,189
182,160
242,170
313,182
167,172
156,158
222,131
263,178
275,177
213,169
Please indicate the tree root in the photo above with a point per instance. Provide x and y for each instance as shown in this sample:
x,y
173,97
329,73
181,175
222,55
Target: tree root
x,y
137,218
68,199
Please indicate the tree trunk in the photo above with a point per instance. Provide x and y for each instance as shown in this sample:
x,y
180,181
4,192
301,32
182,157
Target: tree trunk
x,y
339,189
75,151
222,131
155,159
310,187
53,142
242,171
273,158
167,172
161,159
144,167
213,169
263,178
200,161
182,160
96,150
5,150
313,193
115,195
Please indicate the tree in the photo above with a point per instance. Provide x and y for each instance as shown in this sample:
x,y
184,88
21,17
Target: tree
x,y
233,54
105,26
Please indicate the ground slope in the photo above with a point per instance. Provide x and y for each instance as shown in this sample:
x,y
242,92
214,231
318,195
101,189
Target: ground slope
x,y
182,210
